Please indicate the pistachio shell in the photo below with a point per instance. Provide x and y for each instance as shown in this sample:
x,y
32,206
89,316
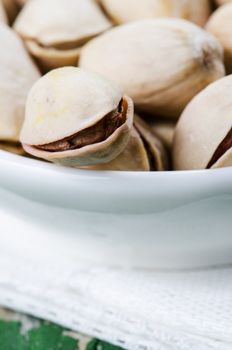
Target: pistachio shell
x,y
15,148
55,39
70,100
11,8
220,26
143,151
61,104
132,158
123,11
21,2
222,2
203,135
18,74
3,18
153,145
224,161
49,59
137,57
165,130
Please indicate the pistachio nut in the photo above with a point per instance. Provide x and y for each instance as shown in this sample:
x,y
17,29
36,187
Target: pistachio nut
x,y
76,118
21,2
136,56
164,129
12,147
3,18
144,152
123,11
222,2
11,8
18,74
55,40
219,25
203,138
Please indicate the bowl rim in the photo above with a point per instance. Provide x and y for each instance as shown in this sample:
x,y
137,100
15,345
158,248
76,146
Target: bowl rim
x,y
6,156
110,191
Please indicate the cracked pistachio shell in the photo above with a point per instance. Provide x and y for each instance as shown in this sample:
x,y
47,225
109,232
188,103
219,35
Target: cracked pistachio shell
x,y
219,25
18,74
15,148
70,100
123,11
159,158
203,138
11,8
3,18
135,156
161,63
21,2
222,2
55,40
165,130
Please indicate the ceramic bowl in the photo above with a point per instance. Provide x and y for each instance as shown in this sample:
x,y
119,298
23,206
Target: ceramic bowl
x,y
147,220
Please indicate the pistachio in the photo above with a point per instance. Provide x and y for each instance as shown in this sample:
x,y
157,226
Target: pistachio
x,y
3,18
165,130
11,8
55,40
18,74
222,2
161,75
156,153
21,2
76,118
12,147
220,26
203,137
144,152
123,11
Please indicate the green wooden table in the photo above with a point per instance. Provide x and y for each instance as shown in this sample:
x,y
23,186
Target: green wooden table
x,y
20,332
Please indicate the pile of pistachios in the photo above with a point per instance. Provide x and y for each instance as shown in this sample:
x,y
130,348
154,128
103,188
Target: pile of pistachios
x,y
130,85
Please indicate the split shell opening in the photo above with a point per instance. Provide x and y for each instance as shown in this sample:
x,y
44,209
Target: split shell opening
x,y
55,41
76,118
203,137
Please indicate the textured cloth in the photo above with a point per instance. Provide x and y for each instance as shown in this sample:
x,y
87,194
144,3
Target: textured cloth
x,y
137,310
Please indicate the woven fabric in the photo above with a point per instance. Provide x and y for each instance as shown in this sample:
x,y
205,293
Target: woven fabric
x,y
137,310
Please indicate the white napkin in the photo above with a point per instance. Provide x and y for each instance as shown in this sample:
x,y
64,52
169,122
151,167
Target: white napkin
x,y
137,310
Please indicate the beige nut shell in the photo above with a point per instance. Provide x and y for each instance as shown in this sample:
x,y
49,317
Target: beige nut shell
x,y
67,101
3,18
161,63
165,130
72,21
123,11
222,2
132,158
21,2
11,8
153,143
15,148
204,124
101,152
18,74
49,58
135,157
219,25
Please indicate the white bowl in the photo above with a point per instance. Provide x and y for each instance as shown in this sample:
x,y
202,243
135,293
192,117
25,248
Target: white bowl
x,y
152,220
